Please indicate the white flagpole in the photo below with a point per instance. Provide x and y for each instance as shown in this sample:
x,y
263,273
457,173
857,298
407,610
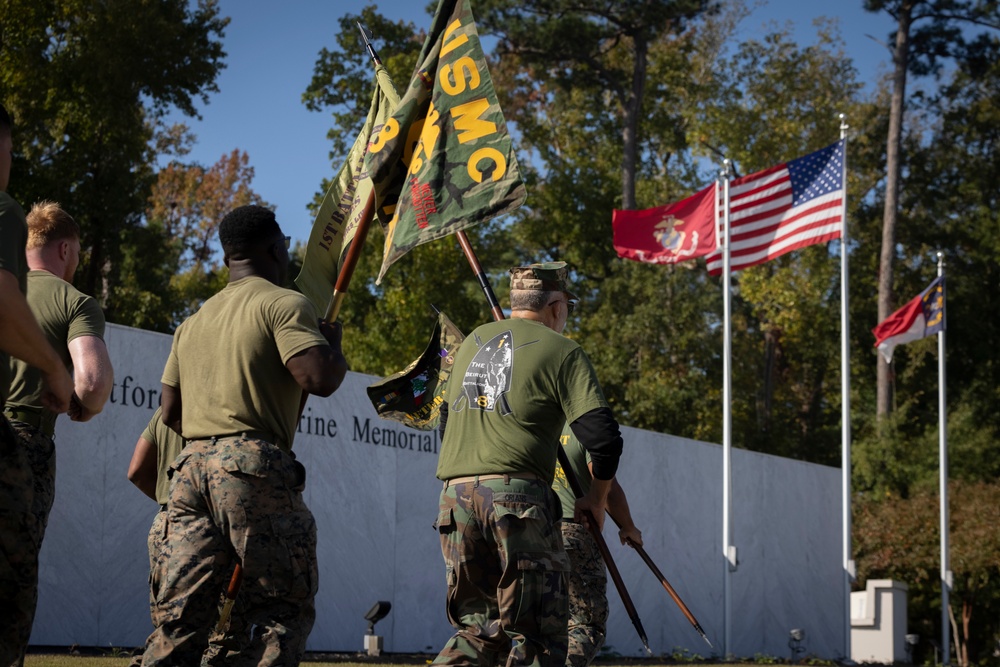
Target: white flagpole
x,y
728,551
946,576
845,404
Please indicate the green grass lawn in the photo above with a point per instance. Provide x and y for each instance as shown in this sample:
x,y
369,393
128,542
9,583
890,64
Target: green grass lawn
x,y
112,660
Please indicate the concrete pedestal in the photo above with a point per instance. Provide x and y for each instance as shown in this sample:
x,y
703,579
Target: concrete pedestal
x,y
878,622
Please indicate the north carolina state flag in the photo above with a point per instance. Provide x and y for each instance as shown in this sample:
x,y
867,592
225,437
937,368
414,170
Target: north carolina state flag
x,y
668,234
922,316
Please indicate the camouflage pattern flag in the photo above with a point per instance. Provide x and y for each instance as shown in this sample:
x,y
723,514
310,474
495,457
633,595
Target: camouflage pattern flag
x,y
444,161
343,205
414,395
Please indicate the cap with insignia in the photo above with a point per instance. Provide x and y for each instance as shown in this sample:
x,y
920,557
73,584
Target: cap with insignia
x,y
544,277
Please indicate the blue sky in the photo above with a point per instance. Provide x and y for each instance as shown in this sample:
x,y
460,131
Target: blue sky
x,y
272,48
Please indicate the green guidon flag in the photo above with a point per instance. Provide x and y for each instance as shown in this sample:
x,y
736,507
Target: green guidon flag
x,y
444,161
414,395
343,205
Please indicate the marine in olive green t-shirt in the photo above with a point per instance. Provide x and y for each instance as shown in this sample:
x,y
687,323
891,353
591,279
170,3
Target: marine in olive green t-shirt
x,y
578,458
168,446
13,239
229,359
515,383
64,314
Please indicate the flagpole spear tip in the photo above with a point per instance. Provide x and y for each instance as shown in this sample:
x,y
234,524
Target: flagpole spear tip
x,y
366,37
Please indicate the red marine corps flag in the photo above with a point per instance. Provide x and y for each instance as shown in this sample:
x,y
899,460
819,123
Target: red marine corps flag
x,y
668,234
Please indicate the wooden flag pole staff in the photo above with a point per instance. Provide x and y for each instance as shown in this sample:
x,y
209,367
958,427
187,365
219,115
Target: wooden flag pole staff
x,y
351,260
231,592
574,483
484,282
666,584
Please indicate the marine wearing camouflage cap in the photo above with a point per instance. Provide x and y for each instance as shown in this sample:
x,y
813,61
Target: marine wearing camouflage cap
x,y
544,277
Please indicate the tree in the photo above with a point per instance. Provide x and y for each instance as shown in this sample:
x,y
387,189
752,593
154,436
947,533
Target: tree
x,y
87,83
597,48
776,100
342,77
171,263
899,538
937,33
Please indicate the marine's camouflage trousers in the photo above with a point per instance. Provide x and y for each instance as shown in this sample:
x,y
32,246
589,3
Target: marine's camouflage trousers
x,y
235,500
588,595
223,647
506,571
27,489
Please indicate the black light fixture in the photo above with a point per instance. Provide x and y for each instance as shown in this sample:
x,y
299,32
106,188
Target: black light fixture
x,y
795,637
911,643
379,611
373,643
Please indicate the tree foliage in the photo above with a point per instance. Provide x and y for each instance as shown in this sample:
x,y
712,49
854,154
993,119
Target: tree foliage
x,y
899,538
171,263
610,51
87,83
927,32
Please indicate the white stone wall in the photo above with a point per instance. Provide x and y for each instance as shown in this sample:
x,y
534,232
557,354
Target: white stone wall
x,y
371,486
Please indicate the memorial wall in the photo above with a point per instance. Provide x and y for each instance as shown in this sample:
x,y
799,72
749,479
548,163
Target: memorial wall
x,y
372,489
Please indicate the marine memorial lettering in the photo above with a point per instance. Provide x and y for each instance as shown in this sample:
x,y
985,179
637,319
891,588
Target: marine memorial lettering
x,y
404,440
129,394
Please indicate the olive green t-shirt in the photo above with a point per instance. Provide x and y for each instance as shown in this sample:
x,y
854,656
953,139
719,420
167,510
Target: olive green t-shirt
x,y
513,386
13,238
64,313
168,446
228,360
578,459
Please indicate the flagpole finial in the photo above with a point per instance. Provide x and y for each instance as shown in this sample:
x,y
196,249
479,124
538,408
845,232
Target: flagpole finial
x,y
843,125
366,37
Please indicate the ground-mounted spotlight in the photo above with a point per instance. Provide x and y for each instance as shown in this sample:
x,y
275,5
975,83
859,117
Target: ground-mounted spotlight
x,y
795,637
373,642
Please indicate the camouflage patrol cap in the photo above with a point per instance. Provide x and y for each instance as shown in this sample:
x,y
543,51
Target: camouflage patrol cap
x,y
544,277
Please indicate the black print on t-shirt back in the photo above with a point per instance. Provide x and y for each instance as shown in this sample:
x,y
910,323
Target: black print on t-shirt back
x,y
487,379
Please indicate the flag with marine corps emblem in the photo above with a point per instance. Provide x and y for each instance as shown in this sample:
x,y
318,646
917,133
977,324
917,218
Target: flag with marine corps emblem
x,y
445,160
343,204
414,395
668,234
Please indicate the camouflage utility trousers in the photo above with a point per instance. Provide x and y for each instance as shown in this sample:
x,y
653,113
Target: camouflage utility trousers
x,y
232,500
224,646
506,570
588,595
27,489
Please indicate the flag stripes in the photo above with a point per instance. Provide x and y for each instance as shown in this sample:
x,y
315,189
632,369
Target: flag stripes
x,y
783,208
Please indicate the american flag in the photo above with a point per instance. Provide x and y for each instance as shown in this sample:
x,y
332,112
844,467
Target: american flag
x,y
788,206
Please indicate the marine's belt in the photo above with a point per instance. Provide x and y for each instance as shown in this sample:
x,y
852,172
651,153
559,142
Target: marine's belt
x,y
247,435
506,477
29,417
